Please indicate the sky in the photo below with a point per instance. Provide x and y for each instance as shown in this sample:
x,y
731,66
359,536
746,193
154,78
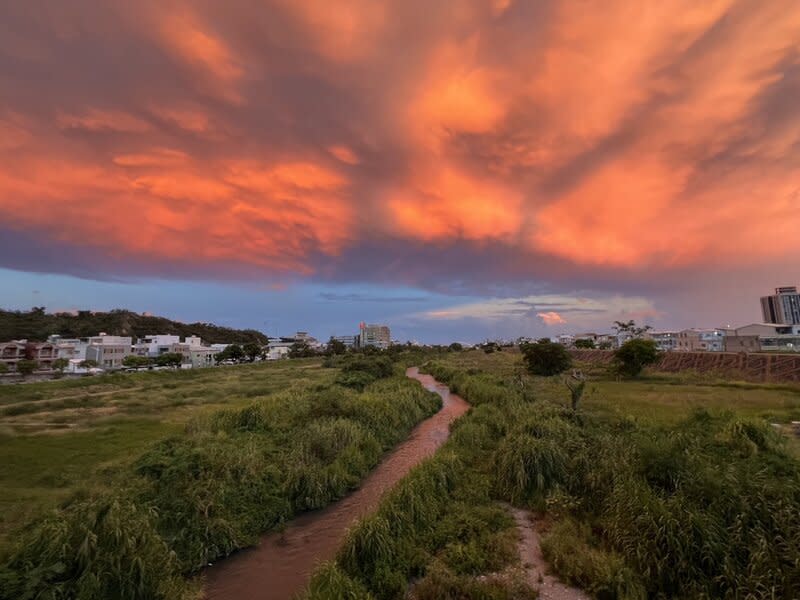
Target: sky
x,y
458,170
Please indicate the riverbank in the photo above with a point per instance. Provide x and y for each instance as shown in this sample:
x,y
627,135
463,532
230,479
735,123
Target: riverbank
x,y
214,487
283,561
689,491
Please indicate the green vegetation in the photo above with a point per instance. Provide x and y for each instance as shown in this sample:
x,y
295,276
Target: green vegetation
x,y
36,324
359,371
654,487
135,518
634,355
546,358
585,344
26,367
688,501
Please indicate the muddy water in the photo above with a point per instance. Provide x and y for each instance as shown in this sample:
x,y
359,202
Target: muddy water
x,y
280,566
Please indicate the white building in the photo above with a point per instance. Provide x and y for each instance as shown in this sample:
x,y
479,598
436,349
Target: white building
x,y
156,345
108,351
666,341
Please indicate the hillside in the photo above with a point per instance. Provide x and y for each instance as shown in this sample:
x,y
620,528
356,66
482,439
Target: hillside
x,y
36,325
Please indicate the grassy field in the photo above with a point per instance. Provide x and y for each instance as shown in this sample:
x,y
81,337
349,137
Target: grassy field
x,y
656,487
168,471
656,397
61,437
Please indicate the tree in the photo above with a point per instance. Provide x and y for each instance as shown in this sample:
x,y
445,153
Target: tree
x,y
88,364
336,346
3,368
233,352
252,351
169,359
585,344
634,355
60,364
631,328
546,358
301,349
236,352
136,362
455,347
25,367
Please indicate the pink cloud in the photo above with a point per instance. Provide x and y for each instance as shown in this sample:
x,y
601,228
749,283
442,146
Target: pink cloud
x,y
551,318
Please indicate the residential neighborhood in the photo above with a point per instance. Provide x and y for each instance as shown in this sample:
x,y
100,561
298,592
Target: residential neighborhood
x,y
104,352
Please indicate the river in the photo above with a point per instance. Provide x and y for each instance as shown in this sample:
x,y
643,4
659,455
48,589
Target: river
x,y
280,566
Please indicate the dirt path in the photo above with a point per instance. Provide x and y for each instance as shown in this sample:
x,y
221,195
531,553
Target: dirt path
x,y
530,551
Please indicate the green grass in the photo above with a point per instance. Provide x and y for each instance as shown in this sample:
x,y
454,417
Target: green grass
x,y
189,469
64,436
664,486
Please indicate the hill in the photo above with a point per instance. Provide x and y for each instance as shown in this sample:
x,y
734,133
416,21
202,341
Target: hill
x,y
36,325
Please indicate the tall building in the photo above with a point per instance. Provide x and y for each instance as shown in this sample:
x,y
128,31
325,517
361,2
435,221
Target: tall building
x,y
374,335
783,307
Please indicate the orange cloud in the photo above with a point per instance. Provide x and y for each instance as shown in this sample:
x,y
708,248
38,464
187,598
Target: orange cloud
x,y
445,203
206,53
96,119
551,318
612,139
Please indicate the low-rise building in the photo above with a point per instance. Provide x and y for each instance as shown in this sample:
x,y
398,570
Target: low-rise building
x,y
741,343
108,351
773,337
11,353
156,345
277,352
348,340
701,340
666,341
43,353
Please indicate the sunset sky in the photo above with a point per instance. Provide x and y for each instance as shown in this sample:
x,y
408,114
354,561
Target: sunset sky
x,y
456,169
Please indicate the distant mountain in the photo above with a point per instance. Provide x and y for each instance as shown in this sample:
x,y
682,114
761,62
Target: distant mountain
x,y
36,325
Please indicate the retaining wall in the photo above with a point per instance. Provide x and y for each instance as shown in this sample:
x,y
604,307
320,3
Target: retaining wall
x,y
748,366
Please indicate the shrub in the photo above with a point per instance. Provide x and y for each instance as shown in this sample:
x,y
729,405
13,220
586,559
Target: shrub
x,y
546,358
360,372
25,367
634,355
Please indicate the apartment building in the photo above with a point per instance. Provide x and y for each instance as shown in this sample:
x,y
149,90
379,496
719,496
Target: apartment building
x,y
666,341
108,351
11,353
378,336
782,307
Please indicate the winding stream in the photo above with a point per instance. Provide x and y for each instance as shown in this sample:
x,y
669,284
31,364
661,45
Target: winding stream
x,y
279,567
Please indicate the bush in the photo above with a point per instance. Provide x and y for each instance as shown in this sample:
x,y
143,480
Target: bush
x,y
546,358
25,367
358,373
634,355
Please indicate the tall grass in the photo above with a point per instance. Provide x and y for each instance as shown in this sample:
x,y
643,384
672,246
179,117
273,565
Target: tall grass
x,y
106,548
195,497
706,508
